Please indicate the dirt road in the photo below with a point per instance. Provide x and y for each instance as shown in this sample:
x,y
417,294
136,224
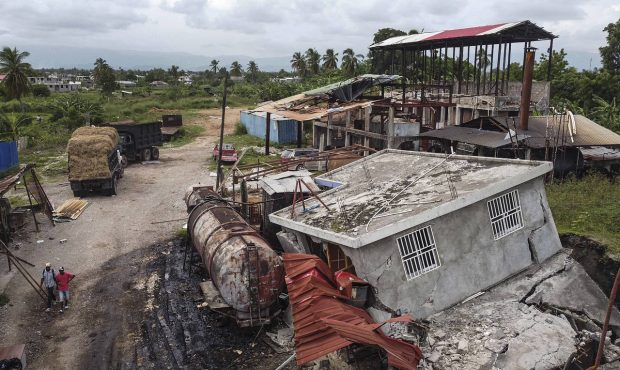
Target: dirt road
x,y
113,248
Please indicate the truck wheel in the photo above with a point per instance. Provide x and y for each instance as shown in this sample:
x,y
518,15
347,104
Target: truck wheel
x,y
146,155
155,153
124,161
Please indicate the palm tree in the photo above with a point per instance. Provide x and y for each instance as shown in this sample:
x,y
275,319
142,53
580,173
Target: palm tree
x,y
174,73
252,70
213,65
350,61
607,113
10,124
313,61
236,69
13,66
330,60
483,59
101,67
298,63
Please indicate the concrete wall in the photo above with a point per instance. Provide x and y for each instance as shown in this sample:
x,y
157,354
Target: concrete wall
x,y
471,260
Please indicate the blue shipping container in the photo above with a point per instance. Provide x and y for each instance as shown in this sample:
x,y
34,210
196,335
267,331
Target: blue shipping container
x,y
281,130
8,155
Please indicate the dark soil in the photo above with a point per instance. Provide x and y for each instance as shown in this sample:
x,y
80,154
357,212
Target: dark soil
x,y
593,256
162,327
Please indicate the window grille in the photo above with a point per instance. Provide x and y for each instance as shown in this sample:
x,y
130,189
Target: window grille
x,y
505,214
418,252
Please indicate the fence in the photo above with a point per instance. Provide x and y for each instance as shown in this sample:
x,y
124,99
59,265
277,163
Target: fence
x,y
8,155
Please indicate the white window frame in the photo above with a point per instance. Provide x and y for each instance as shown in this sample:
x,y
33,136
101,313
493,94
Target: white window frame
x,y
505,214
418,252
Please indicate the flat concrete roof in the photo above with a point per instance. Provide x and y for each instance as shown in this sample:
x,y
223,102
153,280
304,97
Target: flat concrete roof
x,y
394,190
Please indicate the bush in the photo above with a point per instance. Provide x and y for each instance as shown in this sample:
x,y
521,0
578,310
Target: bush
x,y
240,129
40,91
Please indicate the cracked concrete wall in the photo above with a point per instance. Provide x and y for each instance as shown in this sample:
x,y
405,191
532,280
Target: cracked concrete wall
x,y
470,259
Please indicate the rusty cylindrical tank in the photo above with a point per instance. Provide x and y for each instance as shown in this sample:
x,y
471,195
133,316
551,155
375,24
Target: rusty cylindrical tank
x,y
245,270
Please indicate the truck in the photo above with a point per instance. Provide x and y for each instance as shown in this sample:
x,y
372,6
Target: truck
x,y
229,153
94,161
139,141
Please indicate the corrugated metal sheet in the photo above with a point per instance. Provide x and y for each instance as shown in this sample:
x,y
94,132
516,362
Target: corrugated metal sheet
x,y
8,181
533,32
600,153
285,182
281,130
324,323
470,135
8,155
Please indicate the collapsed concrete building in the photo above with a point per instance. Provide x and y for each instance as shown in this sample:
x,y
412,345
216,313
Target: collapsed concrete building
x,y
426,230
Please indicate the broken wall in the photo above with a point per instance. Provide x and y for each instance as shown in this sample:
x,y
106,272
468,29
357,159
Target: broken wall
x,y
471,260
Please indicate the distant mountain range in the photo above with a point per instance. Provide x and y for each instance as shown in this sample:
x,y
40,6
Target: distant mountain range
x,y
42,56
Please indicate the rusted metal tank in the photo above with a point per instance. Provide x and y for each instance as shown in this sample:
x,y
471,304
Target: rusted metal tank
x,y
244,269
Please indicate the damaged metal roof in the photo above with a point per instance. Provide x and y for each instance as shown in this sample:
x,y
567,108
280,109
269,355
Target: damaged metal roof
x,y
324,323
352,88
470,135
501,32
10,180
285,182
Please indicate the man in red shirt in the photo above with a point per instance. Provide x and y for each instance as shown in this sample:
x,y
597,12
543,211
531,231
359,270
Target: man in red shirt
x,y
62,279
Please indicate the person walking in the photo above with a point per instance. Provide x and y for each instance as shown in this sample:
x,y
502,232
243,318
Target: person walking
x,y
48,281
63,278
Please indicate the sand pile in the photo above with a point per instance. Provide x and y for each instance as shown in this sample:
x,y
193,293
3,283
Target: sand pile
x,y
88,151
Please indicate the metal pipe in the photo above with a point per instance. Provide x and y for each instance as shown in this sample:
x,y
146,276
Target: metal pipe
x,y
526,89
610,306
219,153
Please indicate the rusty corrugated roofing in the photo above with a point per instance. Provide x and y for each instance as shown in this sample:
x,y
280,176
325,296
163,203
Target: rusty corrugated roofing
x,y
10,180
470,135
324,323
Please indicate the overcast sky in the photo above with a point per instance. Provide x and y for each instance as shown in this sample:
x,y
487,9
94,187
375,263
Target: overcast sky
x,y
264,28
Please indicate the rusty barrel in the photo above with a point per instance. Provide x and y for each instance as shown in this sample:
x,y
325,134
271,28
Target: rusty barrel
x,y
246,271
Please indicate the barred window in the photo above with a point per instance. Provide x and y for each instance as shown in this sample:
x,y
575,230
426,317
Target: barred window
x,y
505,214
418,252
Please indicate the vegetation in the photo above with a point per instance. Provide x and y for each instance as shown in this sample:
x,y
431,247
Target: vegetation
x,y
588,207
13,65
186,135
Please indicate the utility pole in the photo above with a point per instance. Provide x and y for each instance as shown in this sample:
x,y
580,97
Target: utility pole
x,y
219,153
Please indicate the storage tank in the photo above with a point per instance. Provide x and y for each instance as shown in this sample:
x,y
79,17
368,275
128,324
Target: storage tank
x,y
244,269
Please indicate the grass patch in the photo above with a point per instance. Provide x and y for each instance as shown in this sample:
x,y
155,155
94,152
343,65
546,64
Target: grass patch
x,y
187,134
49,163
588,207
181,233
4,299
18,201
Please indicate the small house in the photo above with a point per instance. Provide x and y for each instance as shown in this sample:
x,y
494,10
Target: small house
x,y
426,230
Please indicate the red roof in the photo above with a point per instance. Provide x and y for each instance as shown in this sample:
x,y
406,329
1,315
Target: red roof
x,y
323,321
463,32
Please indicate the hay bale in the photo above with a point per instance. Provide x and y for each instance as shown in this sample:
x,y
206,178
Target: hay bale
x,y
93,130
88,151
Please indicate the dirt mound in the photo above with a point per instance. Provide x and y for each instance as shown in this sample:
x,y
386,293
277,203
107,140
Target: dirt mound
x,y
88,151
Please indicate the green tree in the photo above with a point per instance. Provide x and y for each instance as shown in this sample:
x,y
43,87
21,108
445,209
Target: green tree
x,y
173,72
330,60
385,33
156,74
100,66
252,71
12,64
610,53
607,113
350,62
40,91
298,63
559,64
11,124
74,110
214,65
313,61
236,69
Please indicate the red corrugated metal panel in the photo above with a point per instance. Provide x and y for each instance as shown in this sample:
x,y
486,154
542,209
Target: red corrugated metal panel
x,y
324,323
463,32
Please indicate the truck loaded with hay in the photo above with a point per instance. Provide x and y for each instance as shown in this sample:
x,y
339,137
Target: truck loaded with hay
x,y
94,160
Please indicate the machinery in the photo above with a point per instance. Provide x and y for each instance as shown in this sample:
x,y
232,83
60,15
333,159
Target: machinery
x,y
247,275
